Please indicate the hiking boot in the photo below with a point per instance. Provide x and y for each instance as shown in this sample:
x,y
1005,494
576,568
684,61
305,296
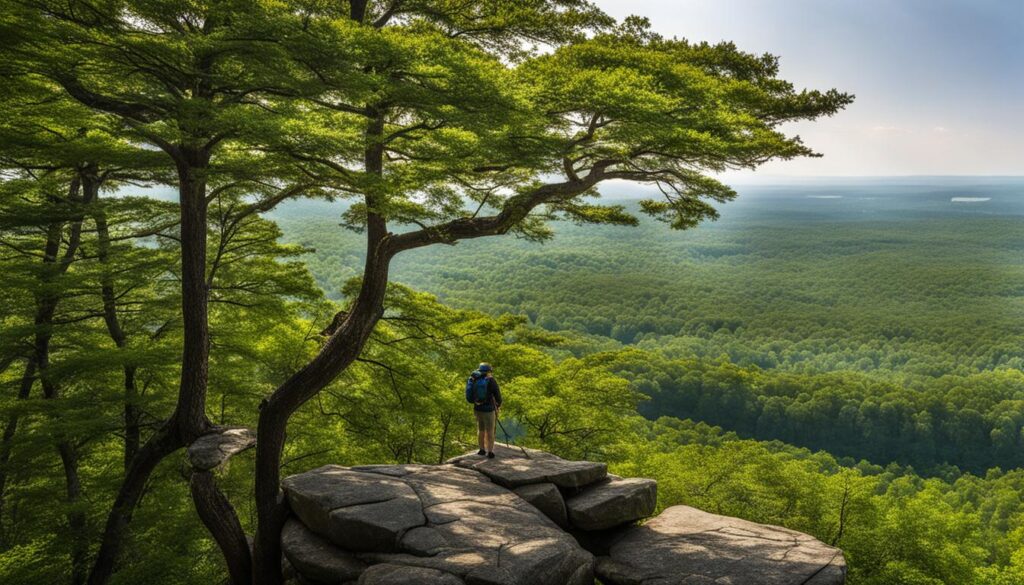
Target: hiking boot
x,y
490,454
481,452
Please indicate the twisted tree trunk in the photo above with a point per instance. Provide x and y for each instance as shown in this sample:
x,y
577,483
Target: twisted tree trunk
x,y
220,519
159,445
341,349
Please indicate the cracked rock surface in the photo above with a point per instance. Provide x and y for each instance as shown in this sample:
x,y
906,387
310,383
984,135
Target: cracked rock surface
x,y
526,518
425,524
684,545
316,559
355,510
516,466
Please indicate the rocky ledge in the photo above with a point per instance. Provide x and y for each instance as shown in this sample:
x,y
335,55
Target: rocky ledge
x,y
526,518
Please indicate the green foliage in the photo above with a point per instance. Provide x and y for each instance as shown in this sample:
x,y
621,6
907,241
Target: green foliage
x,y
810,321
261,299
820,331
972,422
893,526
574,407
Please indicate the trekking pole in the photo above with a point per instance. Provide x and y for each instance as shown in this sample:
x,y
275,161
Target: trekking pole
x,y
502,428
525,454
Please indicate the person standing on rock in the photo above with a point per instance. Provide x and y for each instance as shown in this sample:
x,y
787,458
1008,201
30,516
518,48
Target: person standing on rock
x,y
482,390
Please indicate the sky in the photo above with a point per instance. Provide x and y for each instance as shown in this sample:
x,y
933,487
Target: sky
x,y
939,83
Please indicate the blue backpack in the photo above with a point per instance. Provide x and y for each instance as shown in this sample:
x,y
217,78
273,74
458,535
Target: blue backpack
x,y
476,388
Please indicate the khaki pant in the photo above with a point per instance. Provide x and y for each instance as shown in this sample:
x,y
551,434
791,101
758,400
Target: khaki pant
x,y
485,421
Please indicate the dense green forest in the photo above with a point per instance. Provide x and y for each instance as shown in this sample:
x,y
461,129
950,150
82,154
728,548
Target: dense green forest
x,y
894,278
278,221
874,321
893,525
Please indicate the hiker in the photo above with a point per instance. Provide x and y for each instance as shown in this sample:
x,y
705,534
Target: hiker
x,y
482,390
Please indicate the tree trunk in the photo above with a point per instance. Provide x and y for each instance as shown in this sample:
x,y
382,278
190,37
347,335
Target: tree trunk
x,y
116,332
132,417
446,421
76,518
341,349
214,509
28,377
338,353
220,519
161,444
46,306
189,418
190,413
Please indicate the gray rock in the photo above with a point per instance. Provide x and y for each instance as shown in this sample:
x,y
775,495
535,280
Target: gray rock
x,y
213,449
546,498
388,574
684,545
423,541
441,517
317,560
354,510
500,540
452,525
514,467
612,502
376,526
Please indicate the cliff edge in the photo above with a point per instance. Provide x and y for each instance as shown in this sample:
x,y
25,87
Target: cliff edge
x,y
526,518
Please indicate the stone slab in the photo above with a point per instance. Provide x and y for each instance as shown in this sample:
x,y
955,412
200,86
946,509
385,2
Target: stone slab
x,y
612,503
442,518
354,510
212,449
684,545
316,559
514,467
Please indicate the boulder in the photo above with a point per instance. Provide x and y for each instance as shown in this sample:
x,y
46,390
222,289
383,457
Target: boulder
x,y
317,560
354,510
612,502
515,466
426,524
684,545
546,498
214,448
483,521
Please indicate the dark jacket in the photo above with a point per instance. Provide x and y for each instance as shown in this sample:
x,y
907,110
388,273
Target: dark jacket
x,y
493,397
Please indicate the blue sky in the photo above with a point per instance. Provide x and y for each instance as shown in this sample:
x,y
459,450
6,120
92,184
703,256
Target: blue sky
x,y
939,83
